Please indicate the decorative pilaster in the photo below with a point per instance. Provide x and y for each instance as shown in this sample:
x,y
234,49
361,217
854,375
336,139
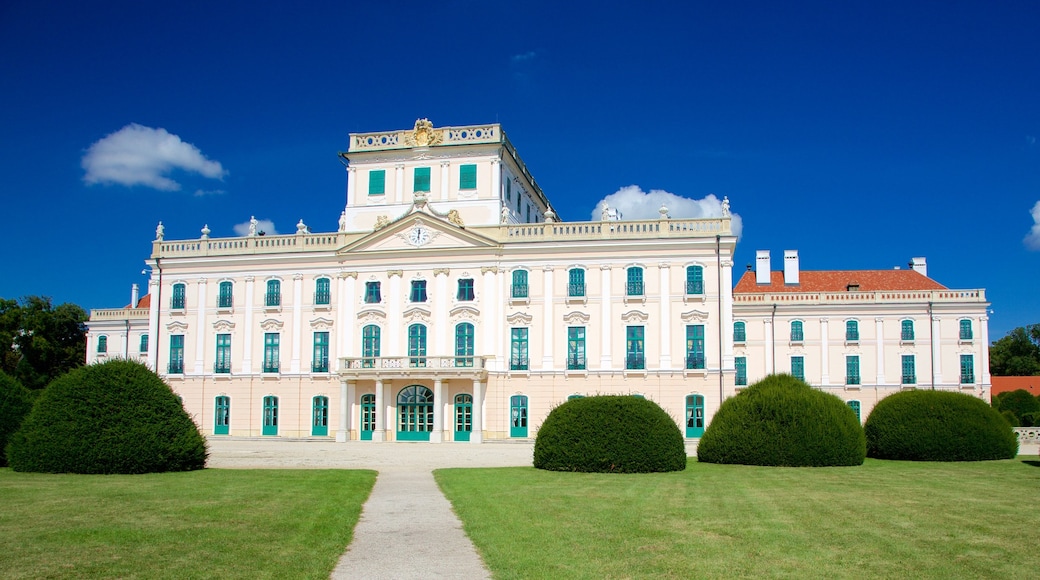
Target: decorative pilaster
x,y
936,351
297,323
381,410
394,313
879,331
825,349
200,326
247,331
770,345
347,282
399,183
548,319
489,309
441,302
496,180
727,314
351,185
984,357
477,436
153,327
666,317
445,174
606,318
343,433
437,435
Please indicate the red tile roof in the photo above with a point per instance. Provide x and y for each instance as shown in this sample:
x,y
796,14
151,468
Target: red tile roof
x,y
144,302
1008,384
839,281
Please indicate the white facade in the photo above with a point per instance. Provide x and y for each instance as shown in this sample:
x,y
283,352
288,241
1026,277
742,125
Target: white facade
x,y
452,306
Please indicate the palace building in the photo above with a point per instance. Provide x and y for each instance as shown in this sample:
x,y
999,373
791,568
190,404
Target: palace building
x,y
452,305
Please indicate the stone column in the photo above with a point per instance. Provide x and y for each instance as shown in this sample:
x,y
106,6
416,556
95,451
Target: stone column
x,y
343,434
606,318
200,329
153,326
379,434
351,185
727,314
297,323
548,319
879,331
665,361
478,415
936,361
437,435
825,359
247,331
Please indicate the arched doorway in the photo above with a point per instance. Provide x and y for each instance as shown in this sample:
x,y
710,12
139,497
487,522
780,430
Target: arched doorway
x,y
414,413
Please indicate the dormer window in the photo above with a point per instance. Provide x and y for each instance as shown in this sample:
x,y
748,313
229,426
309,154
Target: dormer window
x,y
852,287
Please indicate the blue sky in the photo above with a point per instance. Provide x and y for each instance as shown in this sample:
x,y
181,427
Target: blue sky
x,y
859,133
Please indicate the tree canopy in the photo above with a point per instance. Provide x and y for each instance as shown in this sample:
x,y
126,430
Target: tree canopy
x,y
1017,354
39,341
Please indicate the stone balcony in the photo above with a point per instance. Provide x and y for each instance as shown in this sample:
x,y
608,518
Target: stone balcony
x,y
413,367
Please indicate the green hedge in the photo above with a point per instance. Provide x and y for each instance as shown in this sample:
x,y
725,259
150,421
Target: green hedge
x,y
1021,403
115,417
782,421
15,403
938,426
609,433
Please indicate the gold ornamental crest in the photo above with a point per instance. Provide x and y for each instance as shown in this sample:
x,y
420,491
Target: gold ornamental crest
x,y
423,134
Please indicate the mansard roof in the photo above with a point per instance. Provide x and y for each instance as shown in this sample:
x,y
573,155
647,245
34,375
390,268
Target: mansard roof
x,y
839,281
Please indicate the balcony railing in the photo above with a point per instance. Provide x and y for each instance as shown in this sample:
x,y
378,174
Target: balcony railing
x,y
322,298
320,366
222,367
270,366
575,290
909,379
695,361
518,363
273,299
967,379
378,363
635,362
176,367
519,291
575,363
852,380
695,287
634,289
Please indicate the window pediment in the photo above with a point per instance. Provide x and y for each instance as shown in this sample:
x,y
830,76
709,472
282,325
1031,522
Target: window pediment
x,y
176,326
321,324
692,315
463,311
271,324
576,317
520,318
223,325
635,316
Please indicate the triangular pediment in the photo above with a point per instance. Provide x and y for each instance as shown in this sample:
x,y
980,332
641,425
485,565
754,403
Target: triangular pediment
x,y
416,232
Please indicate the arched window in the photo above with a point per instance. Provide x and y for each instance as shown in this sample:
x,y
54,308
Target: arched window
x,y
739,332
224,300
851,330
417,345
322,291
906,333
694,280
576,282
796,331
463,416
177,300
464,345
273,297
519,289
966,333
414,413
102,344
369,346
634,282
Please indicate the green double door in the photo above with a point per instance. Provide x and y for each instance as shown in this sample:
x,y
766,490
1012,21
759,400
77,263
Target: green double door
x,y
414,413
320,418
463,417
270,426
368,416
694,415
518,416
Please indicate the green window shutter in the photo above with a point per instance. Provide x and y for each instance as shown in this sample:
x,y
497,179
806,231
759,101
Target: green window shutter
x,y
739,332
422,179
377,182
695,346
798,367
467,177
740,365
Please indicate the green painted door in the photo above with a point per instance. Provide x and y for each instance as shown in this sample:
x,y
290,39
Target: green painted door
x,y
518,416
414,413
694,415
270,416
368,416
320,421
222,416
463,417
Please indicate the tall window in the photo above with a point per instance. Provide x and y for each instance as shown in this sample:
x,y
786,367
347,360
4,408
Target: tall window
x,y
372,295
273,297
465,289
634,285
271,352
695,346
854,405
418,291
966,329
177,300
519,289
796,331
852,370
739,332
176,365
417,345
221,415
634,348
576,347
224,300
223,361
467,176
322,292
909,370
144,343
320,363
798,367
509,190
740,365
369,345
377,182
576,282
422,179
694,280
102,344
907,330
518,349
464,345
851,330
967,369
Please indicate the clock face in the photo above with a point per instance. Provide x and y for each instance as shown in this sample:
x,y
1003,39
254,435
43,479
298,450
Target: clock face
x,y
419,236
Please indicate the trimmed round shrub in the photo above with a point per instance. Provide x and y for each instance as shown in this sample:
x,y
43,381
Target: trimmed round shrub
x,y
609,434
1020,402
938,426
15,403
782,421
115,417
1010,417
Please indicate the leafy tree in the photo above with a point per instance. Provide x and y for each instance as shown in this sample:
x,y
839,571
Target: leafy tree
x,y
1020,403
1017,354
15,403
40,342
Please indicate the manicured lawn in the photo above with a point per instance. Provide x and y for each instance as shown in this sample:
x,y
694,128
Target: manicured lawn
x,y
883,519
203,524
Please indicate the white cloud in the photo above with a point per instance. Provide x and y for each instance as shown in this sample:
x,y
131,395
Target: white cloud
x,y
203,192
1032,239
266,226
516,58
635,204
139,155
